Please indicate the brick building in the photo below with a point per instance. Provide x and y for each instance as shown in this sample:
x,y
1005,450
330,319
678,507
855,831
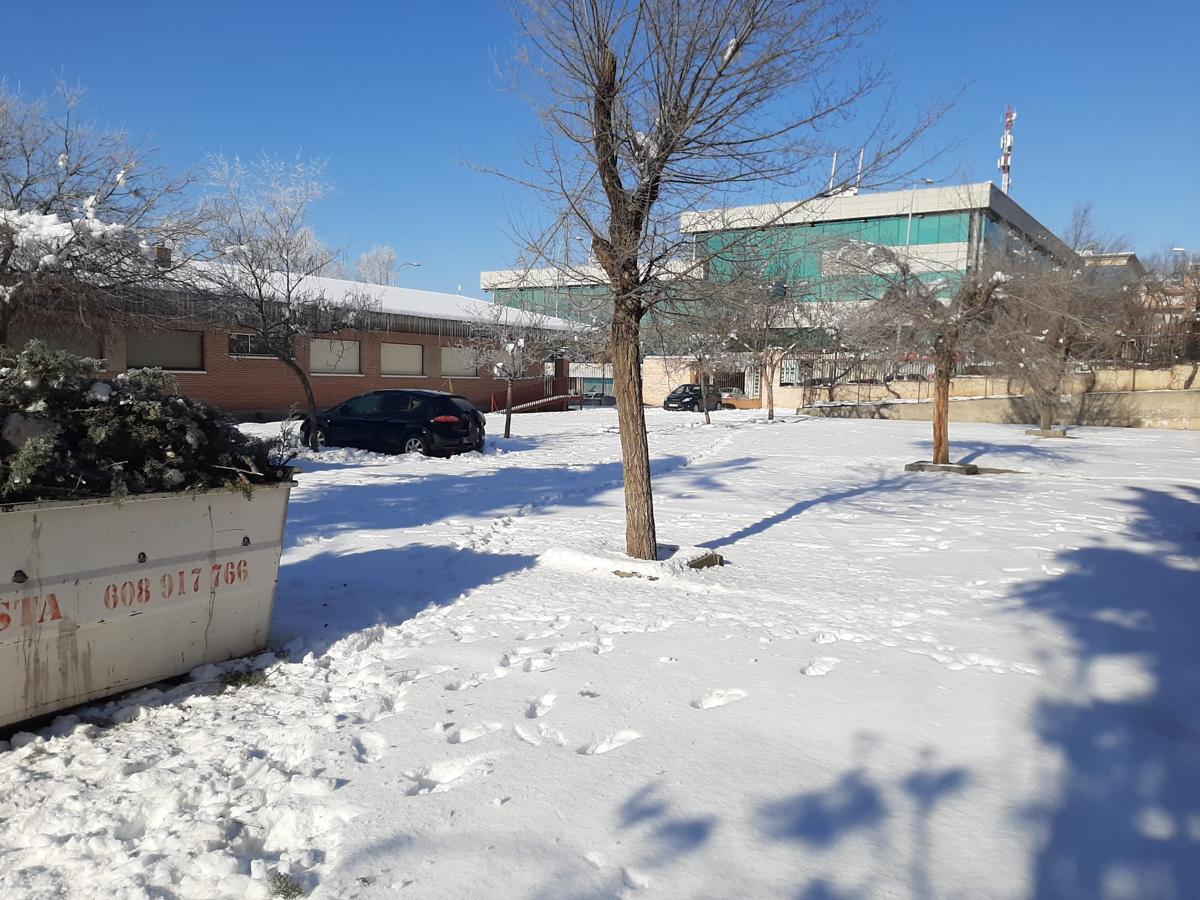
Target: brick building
x,y
409,343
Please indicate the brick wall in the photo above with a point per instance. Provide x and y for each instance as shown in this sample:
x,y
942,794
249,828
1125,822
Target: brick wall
x,y
258,385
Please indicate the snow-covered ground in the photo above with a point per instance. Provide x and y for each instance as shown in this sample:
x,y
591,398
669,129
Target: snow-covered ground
x,y
901,685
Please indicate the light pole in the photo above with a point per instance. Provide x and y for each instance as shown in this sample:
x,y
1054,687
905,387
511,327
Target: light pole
x,y
415,265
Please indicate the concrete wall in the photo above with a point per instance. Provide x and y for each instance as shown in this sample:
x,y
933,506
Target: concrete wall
x,y
661,374
1176,409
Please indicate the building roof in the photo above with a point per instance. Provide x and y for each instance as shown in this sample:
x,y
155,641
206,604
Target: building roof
x,y
434,305
841,207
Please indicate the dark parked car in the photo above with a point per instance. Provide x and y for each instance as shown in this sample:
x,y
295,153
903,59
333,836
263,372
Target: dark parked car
x,y
429,422
597,398
906,376
690,397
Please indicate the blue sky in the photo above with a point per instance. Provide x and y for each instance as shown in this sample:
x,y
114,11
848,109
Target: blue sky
x,y
399,95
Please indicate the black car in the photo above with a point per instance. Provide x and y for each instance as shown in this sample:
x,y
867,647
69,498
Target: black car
x,y
597,398
429,422
691,398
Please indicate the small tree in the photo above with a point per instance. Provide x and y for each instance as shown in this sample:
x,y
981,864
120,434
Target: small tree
x,y
377,265
514,346
699,330
85,217
266,262
652,107
1054,318
944,319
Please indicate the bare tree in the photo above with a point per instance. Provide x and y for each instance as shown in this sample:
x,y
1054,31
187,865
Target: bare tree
x,y
514,346
1053,319
943,319
377,265
774,314
265,262
85,215
701,331
654,106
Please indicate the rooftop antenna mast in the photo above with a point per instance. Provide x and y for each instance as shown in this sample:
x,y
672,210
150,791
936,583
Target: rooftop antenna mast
x,y
832,173
1006,146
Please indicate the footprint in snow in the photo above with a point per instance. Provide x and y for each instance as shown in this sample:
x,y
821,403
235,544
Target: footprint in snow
x,y
467,733
825,637
539,706
822,665
438,776
610,741
719,698
369,747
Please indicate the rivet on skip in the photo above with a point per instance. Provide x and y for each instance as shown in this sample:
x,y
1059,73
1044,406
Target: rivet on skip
x,y
246,541
19,577
141,557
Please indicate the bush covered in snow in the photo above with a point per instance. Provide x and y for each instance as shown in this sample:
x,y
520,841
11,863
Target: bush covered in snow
x,y
67,433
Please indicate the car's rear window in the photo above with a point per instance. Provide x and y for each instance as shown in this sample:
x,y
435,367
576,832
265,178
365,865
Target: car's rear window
x,y
463,403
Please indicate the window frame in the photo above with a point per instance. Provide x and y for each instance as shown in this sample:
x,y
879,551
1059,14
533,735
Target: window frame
x,y
442,363
201,369
357,373
249,354
424,369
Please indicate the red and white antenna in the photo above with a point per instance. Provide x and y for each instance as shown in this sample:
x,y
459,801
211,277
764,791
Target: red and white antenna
x,y
1005,163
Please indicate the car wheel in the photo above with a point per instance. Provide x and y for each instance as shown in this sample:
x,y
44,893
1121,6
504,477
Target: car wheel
x,y
415,443
322,440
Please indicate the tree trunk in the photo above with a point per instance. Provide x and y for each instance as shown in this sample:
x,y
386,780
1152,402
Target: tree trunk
x,y
508,411
770,387
1045,412
641,541
704,397
310,399
944,364
5,316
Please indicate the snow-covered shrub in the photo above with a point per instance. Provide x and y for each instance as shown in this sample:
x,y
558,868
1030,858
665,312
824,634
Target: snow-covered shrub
x,y
66,433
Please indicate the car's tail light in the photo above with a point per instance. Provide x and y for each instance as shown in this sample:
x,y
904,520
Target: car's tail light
x,y
446,420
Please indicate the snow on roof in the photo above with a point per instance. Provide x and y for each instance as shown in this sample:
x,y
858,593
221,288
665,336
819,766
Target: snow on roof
x,y
404,301
434,305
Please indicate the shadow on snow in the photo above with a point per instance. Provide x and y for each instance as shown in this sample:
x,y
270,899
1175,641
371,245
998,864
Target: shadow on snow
x,y
1126,821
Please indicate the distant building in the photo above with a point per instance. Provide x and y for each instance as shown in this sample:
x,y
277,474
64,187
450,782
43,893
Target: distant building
x,y
942,231
409,342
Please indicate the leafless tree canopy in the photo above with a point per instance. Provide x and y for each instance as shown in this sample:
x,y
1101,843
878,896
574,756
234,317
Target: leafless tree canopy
x,y
377,265
655,107
263,259
82,211
513,346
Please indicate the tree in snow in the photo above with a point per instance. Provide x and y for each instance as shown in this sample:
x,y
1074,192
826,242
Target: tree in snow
x,y
652,107
943,318
377,265
85,215
514,346
700,329
1056,319
264,262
